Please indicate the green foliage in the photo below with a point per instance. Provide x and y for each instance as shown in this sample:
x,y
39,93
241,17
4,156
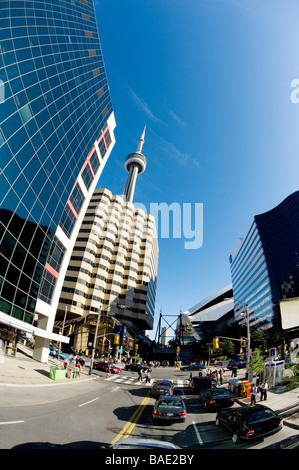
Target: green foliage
x,y
257,362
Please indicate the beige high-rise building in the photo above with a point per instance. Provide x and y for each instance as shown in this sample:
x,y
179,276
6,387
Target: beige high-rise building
x,y
113,267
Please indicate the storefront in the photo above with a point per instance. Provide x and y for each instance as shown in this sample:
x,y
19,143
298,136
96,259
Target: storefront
x,y
9,337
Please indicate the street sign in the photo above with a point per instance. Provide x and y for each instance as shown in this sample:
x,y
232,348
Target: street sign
x,y
272,353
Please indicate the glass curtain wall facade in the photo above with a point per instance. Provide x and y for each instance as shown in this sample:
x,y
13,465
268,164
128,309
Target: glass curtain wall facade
x,y
265,264
56,134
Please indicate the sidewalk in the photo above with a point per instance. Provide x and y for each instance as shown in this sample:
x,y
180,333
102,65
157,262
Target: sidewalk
x,y
22,370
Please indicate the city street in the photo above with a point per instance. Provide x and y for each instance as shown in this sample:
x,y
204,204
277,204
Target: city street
x,y
94,413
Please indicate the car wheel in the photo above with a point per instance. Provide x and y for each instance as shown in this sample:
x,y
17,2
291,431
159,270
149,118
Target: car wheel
x,y
235,438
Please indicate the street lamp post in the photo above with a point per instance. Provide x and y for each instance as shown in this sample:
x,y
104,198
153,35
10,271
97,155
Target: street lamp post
x,y
94,340
245,307
65,314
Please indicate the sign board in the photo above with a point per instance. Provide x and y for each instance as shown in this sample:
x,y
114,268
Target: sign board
x,y
289,310
272,353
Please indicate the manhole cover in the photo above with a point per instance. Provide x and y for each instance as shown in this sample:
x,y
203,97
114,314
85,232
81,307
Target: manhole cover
x,y
116,430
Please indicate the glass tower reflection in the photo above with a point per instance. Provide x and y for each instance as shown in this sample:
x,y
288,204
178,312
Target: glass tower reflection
x,y
56,134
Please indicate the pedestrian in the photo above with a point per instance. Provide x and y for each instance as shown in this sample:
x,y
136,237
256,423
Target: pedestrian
x,y
220,376
78,368
264,388
139,375
65,362
108,371
147,377
82,362
254,391
190,377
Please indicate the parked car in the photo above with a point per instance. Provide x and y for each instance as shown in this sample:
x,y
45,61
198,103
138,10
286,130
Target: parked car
x,y
216,397
136,443
240,364
104,367
249,422
200,384
169,409
193,367
162,387
54,353
137,367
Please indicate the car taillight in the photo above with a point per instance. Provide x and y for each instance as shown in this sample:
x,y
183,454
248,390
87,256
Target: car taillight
x,y
250,433
212,402
156,412
182,413
169,390
281,422
232,399
193,386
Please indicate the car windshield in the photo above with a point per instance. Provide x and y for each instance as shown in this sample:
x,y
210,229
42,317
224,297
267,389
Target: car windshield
x,y
170,403
261,415
217,392
162,383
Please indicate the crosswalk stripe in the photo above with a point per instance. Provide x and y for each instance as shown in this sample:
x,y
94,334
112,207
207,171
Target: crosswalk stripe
x,y
134,381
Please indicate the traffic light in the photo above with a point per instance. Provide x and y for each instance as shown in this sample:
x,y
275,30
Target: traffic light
x,y
216,343
70,330
116,339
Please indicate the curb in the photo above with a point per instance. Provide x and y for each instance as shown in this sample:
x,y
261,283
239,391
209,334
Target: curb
x,y
280,412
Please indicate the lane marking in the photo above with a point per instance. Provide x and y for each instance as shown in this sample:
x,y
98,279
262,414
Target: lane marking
x,y
197,433
11,422
87,403
129,426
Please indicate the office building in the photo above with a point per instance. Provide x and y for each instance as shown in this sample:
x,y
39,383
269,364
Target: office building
x,y
113,267
56,135
264,264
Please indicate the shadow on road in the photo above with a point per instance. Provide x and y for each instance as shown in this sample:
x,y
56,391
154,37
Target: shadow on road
x,y
70,445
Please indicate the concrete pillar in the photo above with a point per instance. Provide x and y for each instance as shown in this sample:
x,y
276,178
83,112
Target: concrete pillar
x,y
41,349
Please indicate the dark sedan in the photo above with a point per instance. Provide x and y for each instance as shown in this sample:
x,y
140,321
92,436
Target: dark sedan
x,y
239,364
249,422
200,384
217,397
193,367
169,409
137,367
162,387
104,367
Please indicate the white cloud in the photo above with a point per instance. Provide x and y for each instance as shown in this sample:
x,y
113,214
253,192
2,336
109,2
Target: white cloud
x,y
144,106
176,118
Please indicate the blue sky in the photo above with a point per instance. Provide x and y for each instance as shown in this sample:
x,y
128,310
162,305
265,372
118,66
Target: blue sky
x,y
211,80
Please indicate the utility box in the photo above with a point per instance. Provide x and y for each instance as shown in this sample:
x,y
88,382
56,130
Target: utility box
x,y
57,373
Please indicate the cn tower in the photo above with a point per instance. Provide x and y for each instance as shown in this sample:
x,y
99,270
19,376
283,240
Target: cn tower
x,y
135,164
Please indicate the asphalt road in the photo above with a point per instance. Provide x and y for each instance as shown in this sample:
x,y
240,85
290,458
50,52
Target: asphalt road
x,y
93,414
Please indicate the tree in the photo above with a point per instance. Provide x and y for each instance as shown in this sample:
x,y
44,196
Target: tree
x,y
256,362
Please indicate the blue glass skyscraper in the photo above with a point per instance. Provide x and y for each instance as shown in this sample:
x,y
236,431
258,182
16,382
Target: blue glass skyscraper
x,y
56,135
265,263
